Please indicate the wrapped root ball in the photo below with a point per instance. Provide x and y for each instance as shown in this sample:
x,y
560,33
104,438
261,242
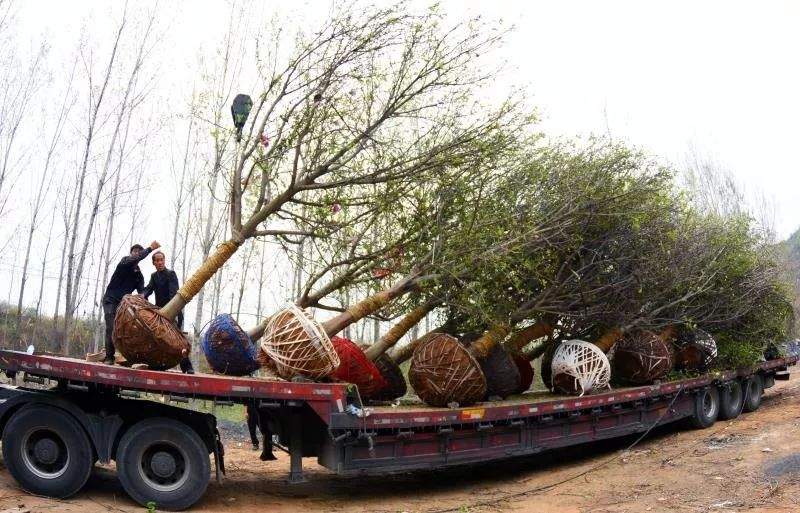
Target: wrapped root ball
x,y
525,373
356,368
641,357
696,350
143,335
502,374
443,371
546,367
298,345
579,367
228,349
393,376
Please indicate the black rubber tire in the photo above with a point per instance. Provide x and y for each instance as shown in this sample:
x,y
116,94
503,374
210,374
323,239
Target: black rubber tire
x,y
47,451
731,400
754,391
706,408
190,466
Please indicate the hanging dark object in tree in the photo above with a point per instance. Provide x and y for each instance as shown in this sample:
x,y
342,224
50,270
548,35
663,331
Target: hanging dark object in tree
x,y
240,109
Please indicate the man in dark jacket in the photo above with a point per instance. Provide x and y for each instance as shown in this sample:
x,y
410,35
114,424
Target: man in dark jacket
x,y
127,277
164,282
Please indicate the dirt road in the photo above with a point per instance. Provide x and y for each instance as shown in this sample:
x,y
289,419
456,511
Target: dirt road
x,y
751,464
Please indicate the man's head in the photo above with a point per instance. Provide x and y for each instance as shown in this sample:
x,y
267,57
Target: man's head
x,y
159,261
135,250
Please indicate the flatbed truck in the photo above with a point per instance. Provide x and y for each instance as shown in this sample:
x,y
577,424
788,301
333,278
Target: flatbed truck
x,y
59,416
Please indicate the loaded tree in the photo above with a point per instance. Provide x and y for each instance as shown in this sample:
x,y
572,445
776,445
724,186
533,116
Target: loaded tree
x,y
376,97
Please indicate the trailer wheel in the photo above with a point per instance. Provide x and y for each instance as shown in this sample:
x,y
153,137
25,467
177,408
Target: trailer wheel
x,y
731,400
47,451
706,408
163,461
754,391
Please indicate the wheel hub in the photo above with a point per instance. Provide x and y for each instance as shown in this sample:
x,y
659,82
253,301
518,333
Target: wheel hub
x,y
163,464
46,451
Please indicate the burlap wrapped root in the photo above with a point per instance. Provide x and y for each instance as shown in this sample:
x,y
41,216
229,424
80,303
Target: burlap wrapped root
x,y
228,348
502,374
443,372
143,335
395,383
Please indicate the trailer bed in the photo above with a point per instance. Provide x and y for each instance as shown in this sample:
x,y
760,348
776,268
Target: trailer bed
x,y
329,399
326,420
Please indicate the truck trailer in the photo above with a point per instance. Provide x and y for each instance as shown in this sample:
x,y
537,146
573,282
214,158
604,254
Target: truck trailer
x,y
59,416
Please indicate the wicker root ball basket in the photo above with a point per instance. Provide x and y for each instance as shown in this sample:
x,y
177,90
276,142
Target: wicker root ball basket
x,y
695,350
143,335
579,367
525,373
393,377
228,349
298,345
443,371
356,368
641,357
502,374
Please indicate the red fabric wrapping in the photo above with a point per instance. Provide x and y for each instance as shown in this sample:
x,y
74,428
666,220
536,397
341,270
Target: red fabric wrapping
x,y
356,368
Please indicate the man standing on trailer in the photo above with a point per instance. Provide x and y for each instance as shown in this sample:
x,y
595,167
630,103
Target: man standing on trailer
x,y
127,277
164,282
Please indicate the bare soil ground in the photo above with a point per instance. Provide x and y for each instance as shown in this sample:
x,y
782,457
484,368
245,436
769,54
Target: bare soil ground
x,y
750,464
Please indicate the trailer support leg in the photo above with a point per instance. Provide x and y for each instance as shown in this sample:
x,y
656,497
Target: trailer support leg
x,y
296,449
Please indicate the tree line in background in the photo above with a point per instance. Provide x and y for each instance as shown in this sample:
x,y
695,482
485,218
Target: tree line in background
x,y
373,151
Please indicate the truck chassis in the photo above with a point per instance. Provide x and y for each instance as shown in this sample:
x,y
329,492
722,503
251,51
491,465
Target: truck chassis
x,y
81,412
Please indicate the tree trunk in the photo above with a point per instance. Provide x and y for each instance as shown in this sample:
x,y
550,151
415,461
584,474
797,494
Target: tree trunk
x,y
72,277
397,331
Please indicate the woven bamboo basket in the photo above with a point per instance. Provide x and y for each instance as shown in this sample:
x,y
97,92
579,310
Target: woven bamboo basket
x,y
298,345
228,349
641,357
355,368
143,335
443,372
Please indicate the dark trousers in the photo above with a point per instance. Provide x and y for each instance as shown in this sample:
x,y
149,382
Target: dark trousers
x,y
252,423
109,313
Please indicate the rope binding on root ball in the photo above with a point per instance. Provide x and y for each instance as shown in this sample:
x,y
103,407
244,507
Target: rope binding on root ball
x,y
443,372
579,367
696,350
298,345
641,357
143,335
228,349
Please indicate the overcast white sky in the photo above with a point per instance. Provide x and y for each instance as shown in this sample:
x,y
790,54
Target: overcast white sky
x,y
721,77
